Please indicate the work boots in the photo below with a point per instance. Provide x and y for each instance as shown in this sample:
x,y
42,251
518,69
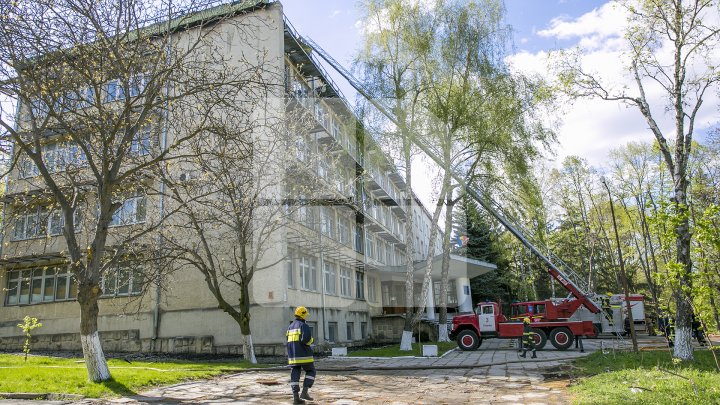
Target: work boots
x,y
305,395
296,399
534,356
523,355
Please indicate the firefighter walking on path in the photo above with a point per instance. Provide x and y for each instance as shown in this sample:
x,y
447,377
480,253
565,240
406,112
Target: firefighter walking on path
x,y
528,339
300,355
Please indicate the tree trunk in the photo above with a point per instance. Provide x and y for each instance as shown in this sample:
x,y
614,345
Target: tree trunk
x,y
406,341
244,315
249,349
95,362
442,327
683,295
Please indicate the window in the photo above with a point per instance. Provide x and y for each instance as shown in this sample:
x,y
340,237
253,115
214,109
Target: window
x,y
327,222
121,282
289,264
330,278
141,143
343,230
321,114
307,266
41,223
336,133
114,90
363,330
369,245
358,236
345,282
332,332
132,211
324,167
313,330
302,150
381,251
57,157
35,286
371,289
349,329
359,285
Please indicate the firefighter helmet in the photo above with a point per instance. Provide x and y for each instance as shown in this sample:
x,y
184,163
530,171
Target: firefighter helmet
x,y
301,312
609,294
526,320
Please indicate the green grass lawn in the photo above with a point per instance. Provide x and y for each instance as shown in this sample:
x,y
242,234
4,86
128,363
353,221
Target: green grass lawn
x,y
394,350
646,378
69,376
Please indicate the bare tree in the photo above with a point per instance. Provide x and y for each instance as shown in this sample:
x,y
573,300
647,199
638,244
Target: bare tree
x,y
103,91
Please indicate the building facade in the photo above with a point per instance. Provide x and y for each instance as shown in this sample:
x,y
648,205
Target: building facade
x,y
341,253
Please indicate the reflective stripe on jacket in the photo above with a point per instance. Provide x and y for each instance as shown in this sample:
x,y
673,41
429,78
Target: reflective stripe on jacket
x,y
299,339
528,334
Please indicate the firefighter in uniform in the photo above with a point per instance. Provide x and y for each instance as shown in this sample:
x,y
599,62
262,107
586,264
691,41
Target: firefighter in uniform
x,y
608,310
528,340
300,355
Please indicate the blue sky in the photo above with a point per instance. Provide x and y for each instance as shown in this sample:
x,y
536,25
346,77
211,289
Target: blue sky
x,y
332,23
590,128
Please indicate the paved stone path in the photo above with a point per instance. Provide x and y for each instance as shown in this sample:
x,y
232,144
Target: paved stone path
x,y
494,374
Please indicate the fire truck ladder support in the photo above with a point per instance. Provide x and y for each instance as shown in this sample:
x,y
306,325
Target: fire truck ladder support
x,y
556,267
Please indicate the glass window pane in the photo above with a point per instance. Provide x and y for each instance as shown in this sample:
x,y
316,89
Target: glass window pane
x,y
123,282
49,288
137,282
140,210
25,289
12,294
36,293
108,284
72,293
61,287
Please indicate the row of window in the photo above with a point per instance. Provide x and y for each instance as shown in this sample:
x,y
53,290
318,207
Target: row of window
x,y
113,90
332,331
42,222
341,228
61,156
302,272
56,284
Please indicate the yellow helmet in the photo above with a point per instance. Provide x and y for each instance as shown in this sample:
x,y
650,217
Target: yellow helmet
x,y
609,294
526,320
301,312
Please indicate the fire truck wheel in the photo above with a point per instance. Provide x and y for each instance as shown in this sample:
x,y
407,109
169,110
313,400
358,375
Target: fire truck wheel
x,y
562,338
596,331
540,338
468,340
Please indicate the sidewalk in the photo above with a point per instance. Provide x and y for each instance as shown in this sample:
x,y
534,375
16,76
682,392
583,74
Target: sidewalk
x,y
494,374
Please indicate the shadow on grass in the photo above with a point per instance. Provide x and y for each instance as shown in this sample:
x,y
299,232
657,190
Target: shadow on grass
x,y
118,388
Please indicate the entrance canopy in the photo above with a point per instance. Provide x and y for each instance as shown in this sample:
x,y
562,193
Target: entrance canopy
x,y
460,267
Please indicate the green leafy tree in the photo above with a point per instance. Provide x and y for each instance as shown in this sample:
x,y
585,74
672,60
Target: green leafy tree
x,y
29,324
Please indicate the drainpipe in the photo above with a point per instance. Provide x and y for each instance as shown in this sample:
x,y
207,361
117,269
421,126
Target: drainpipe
x,y
163,146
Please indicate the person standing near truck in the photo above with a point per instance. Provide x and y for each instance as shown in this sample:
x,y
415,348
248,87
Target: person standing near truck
x,y
528,339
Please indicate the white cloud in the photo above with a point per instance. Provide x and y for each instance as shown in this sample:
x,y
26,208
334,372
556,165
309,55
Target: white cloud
x,y
334,14
590,128
607,21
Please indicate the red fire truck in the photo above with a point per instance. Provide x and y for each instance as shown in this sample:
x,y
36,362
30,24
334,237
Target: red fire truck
x,y
489,322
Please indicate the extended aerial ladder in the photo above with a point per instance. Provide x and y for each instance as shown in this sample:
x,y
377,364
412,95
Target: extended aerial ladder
x,y
558,269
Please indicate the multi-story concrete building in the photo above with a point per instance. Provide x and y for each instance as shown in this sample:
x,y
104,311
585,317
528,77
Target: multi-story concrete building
x,y
343,257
